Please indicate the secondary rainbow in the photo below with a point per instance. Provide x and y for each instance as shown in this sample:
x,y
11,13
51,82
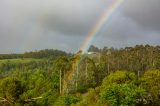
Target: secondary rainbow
x,y
100,24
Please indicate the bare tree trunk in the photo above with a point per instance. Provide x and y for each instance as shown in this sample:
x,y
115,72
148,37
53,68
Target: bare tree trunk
x,y
77,72
60,81
5,100
32,99
86,72
108,64
64,73
108,68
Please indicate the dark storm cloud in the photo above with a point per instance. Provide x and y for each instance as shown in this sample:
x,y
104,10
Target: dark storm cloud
x,y
144,12
74,17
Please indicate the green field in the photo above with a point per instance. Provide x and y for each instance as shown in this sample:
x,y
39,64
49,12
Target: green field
x,y
23,60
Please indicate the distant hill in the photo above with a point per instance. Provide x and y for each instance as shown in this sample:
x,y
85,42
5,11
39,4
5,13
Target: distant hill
x,y
47,53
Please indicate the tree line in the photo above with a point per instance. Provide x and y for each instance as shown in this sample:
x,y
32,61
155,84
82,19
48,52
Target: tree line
x,y
47,53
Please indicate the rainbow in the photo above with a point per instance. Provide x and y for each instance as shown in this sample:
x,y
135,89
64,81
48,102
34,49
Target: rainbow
x,y
100,24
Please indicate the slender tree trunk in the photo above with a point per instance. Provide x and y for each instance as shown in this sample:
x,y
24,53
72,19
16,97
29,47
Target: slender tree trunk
x,y
86,72
77,72
108,67
99,57
118,65
108,64
63,82
60,81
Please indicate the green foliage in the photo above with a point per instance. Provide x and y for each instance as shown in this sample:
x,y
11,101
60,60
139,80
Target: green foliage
x,y
52,77
86,76
93,49
47,53
39,85
11,89
118,89
67,100
10,56
91,98
151,82
119,77
122,94
101,72
82,76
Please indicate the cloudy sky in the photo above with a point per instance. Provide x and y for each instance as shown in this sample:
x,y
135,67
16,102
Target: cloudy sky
x,y
27,25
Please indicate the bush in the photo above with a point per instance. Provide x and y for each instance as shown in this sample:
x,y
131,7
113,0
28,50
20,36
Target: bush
x,y
121,94
67,100
91,98
119,89
151,82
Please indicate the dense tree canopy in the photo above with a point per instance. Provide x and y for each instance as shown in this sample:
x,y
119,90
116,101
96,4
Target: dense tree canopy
x,y
110,77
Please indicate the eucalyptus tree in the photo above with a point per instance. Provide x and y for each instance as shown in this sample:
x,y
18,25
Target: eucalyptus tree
x,y
62,63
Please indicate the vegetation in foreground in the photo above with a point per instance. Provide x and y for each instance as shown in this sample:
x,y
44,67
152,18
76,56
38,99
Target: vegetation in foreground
x,y
109,77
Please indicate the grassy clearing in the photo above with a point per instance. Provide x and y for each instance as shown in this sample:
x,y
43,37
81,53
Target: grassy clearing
x,y
22,60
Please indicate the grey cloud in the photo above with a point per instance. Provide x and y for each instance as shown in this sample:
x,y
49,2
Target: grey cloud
x,y
122,31
144,12
75,17
68,17
48,23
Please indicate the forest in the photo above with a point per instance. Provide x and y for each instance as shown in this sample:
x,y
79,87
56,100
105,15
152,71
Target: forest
x,y
127,76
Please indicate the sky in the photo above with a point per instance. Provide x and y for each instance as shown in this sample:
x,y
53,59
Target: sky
x,y
28,25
